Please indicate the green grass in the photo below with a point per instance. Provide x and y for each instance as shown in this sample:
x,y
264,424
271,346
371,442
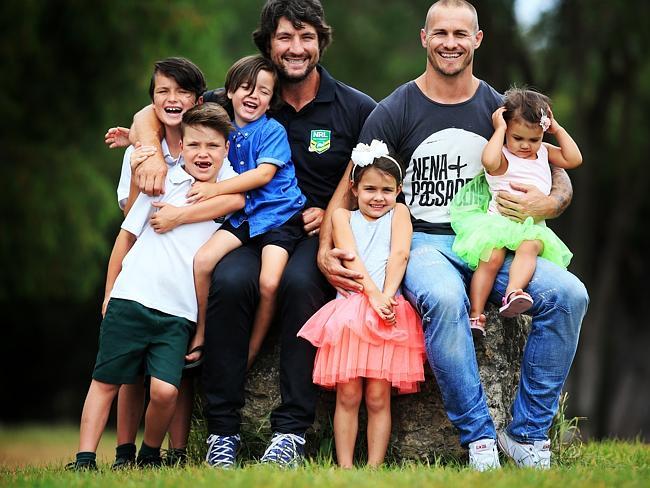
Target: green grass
x,y
610,463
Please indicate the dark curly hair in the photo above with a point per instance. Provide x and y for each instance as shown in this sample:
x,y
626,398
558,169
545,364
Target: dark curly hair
x,y
526,105
298,12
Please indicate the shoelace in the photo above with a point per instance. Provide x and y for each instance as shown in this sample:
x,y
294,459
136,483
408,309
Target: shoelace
x,y
222,450
283,448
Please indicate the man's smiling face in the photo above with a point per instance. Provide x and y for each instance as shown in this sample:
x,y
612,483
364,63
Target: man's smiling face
x,y
451,36
294,52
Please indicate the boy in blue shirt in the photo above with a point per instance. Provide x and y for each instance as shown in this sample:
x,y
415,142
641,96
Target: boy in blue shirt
x,y
272,216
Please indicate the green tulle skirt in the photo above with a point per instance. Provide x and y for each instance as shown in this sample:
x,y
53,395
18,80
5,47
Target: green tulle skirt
x,y
479,232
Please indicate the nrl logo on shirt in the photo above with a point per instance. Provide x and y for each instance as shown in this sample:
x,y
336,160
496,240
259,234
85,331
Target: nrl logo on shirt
x,y
320,140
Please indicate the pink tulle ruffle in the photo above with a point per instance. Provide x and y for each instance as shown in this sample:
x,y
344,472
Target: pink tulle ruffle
x,y
353,341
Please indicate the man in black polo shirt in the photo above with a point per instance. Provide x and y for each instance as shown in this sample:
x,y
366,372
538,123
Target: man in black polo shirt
x,y
323,118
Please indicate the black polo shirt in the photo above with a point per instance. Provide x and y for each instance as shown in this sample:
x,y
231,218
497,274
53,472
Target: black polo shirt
x,y
322,135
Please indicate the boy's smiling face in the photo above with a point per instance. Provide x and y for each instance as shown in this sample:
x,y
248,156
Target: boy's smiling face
x,y
204,150
170,100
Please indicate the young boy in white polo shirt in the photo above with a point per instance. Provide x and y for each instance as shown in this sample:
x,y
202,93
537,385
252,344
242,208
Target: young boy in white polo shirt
x,y
176,86
150,303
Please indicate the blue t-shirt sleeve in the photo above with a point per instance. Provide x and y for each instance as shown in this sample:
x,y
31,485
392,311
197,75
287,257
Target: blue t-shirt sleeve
x,y
273,146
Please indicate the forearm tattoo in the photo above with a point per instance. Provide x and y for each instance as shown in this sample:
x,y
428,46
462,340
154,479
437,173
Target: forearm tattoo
x,y
561,190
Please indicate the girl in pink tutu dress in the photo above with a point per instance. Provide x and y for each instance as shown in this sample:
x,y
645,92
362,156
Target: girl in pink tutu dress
x,y
372,340
483,235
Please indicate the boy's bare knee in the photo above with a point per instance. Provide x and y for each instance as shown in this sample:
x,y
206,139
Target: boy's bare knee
x,y
162,392
202,263
269,286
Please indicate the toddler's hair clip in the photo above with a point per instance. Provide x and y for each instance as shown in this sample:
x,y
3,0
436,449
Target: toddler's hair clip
x,y
545,120
364,155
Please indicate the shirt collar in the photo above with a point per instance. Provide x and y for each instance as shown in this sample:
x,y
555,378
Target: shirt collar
x,y
178,175
327,86
169,159
250,128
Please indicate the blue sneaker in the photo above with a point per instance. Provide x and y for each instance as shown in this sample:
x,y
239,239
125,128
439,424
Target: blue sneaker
x,y
286,450
222,450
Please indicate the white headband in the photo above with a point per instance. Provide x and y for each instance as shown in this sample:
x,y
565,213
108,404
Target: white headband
x,y
364,154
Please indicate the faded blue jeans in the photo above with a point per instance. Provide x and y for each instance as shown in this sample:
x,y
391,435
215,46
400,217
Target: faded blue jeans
x,y
437,283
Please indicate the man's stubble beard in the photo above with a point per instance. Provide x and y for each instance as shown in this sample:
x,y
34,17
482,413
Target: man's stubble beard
x,y
286,79
437,69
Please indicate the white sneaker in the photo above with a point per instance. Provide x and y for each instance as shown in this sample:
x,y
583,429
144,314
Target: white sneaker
x,y
535,455
483,455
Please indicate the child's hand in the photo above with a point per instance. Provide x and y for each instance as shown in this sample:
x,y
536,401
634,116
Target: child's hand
x,y
140,154
202,190
383,305
555,126
498,122
117,137
195,349
166,218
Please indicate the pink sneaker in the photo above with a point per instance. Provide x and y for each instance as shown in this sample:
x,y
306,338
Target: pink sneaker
x,y
513,305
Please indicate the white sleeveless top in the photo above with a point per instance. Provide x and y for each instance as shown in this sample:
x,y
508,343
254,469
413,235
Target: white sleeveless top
x,y
373,243
535,172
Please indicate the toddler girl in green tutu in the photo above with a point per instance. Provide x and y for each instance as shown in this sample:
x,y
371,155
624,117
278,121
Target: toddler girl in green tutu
x,y
483,235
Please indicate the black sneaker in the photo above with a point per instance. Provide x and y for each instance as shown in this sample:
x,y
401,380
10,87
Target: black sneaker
x,y
90,465
175,457
123,462
149,461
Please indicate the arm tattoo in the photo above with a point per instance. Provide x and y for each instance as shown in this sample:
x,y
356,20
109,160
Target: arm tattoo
x,y
561,190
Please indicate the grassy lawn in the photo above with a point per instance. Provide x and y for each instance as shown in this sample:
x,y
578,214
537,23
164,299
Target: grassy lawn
x,y
34,456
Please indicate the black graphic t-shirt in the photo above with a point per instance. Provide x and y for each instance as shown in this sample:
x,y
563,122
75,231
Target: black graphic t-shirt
x,y
439,145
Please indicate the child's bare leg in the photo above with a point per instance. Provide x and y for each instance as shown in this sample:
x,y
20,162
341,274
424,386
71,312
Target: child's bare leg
x,y
480,287
179,428
346,420
377,398
162,404
206,258
523,265
130,405
274,260
95,414
483,281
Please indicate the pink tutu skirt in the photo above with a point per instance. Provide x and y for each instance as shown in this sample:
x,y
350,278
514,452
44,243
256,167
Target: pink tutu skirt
x,y
353,341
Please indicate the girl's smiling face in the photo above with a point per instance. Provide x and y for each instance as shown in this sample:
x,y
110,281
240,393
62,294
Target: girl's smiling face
x,y
523,139
376,193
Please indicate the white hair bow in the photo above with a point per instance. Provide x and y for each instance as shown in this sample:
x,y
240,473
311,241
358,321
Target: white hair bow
x,y
545,120
364,154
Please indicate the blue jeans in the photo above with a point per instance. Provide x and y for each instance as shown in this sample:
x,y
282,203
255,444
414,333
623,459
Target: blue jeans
x,y
436,283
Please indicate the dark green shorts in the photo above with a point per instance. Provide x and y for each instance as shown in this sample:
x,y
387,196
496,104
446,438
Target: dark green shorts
x,y
136,340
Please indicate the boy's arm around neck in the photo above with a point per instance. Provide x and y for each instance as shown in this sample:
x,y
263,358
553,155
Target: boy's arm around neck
x,y
148,130
169,217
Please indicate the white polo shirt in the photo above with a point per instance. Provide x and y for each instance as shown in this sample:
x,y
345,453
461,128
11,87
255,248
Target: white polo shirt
x,y
124,185
158,270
